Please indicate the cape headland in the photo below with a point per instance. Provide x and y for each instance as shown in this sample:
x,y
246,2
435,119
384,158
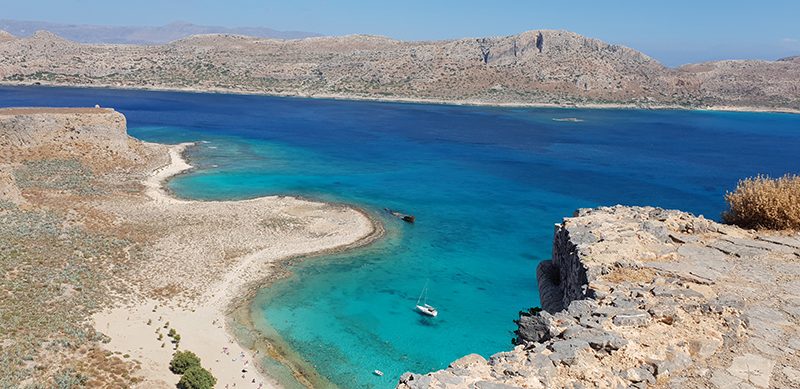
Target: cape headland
x,y
642,297
101,262
552,68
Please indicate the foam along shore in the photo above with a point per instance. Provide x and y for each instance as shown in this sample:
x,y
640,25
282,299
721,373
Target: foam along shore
x,y
217,253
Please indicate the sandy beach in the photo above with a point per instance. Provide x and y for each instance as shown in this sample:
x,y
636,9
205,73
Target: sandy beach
x,y
210,257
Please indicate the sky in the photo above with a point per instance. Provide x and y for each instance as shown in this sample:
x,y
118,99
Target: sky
x,y
673,32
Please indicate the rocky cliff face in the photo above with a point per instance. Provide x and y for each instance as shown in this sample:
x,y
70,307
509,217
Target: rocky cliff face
x,y
646,297
86,144
543,67
33,127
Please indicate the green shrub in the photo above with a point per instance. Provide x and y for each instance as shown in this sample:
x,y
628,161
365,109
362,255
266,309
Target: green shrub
x,y
67,379
183,361
762,202
197,378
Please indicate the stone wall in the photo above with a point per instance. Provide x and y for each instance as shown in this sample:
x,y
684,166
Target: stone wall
x,y
645,297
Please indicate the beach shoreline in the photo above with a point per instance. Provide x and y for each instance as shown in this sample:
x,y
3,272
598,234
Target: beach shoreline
x,y
415,100
138,327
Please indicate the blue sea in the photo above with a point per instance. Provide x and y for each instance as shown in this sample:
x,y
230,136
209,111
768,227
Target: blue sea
x,y
486,185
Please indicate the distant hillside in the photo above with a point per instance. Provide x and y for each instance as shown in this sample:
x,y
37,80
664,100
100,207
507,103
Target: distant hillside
x,y
139,35
541,68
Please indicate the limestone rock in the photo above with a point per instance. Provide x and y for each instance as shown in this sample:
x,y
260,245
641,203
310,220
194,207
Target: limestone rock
x,y
468,361
703,348
631,318
637,374
568,351
752,368
699,298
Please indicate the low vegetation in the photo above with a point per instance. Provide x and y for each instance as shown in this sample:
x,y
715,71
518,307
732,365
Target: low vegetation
x,y
194,376
54,278
62,174
183,360
197,378
765,203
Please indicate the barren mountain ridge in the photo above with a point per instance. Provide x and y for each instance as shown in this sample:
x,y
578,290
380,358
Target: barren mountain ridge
x,y
543,68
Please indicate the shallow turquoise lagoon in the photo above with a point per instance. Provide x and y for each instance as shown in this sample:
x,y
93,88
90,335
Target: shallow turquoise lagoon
x,y
486,185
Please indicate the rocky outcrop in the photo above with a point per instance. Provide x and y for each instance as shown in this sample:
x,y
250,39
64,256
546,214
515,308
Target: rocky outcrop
x,y
8,186
34,127
541,67
73,150
646,297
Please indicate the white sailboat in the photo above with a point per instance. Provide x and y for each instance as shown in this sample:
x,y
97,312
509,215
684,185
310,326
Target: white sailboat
x,y
425,308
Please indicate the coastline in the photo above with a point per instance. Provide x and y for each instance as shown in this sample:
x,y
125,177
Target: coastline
x,y
413,100
206,321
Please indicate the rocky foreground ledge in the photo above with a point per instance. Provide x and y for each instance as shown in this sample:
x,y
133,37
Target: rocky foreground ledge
x,y
651,298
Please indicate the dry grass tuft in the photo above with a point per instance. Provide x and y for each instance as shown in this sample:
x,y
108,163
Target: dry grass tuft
x,y
765,203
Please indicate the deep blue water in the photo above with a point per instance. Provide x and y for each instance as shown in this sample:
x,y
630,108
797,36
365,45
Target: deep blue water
x,y
486,185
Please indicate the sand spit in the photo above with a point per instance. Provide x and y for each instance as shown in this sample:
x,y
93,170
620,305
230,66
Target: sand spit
x,y
210,257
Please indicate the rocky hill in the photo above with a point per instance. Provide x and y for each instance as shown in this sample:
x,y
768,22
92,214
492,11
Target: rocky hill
x,y
95,137
545,68
651,298
33,127
139,35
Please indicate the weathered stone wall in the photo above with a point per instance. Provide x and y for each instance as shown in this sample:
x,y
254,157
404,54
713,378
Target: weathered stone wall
x,y
654,298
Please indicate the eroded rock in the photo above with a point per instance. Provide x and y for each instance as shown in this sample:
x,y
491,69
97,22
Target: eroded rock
x,y
710,306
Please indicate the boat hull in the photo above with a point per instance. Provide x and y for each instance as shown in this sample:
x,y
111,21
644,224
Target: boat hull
x,y
427,310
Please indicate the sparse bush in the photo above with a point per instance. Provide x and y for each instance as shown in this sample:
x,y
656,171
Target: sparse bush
x,y
62,174
197,378
183,361
67,379
762,202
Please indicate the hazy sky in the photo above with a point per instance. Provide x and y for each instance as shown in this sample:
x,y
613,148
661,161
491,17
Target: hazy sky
x,y
674,32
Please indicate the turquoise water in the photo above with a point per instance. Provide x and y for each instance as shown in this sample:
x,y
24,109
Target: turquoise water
x,y
486,186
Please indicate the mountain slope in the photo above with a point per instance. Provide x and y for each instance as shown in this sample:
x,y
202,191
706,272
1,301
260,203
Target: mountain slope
x,y
543,67
139,35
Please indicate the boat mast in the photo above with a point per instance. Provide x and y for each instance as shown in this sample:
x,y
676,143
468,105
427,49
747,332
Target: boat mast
x,y
424,292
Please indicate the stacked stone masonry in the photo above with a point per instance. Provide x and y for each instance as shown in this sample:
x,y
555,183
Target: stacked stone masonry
x,y
641,297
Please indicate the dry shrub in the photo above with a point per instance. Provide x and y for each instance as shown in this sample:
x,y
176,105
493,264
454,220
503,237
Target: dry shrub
x,y
762,202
